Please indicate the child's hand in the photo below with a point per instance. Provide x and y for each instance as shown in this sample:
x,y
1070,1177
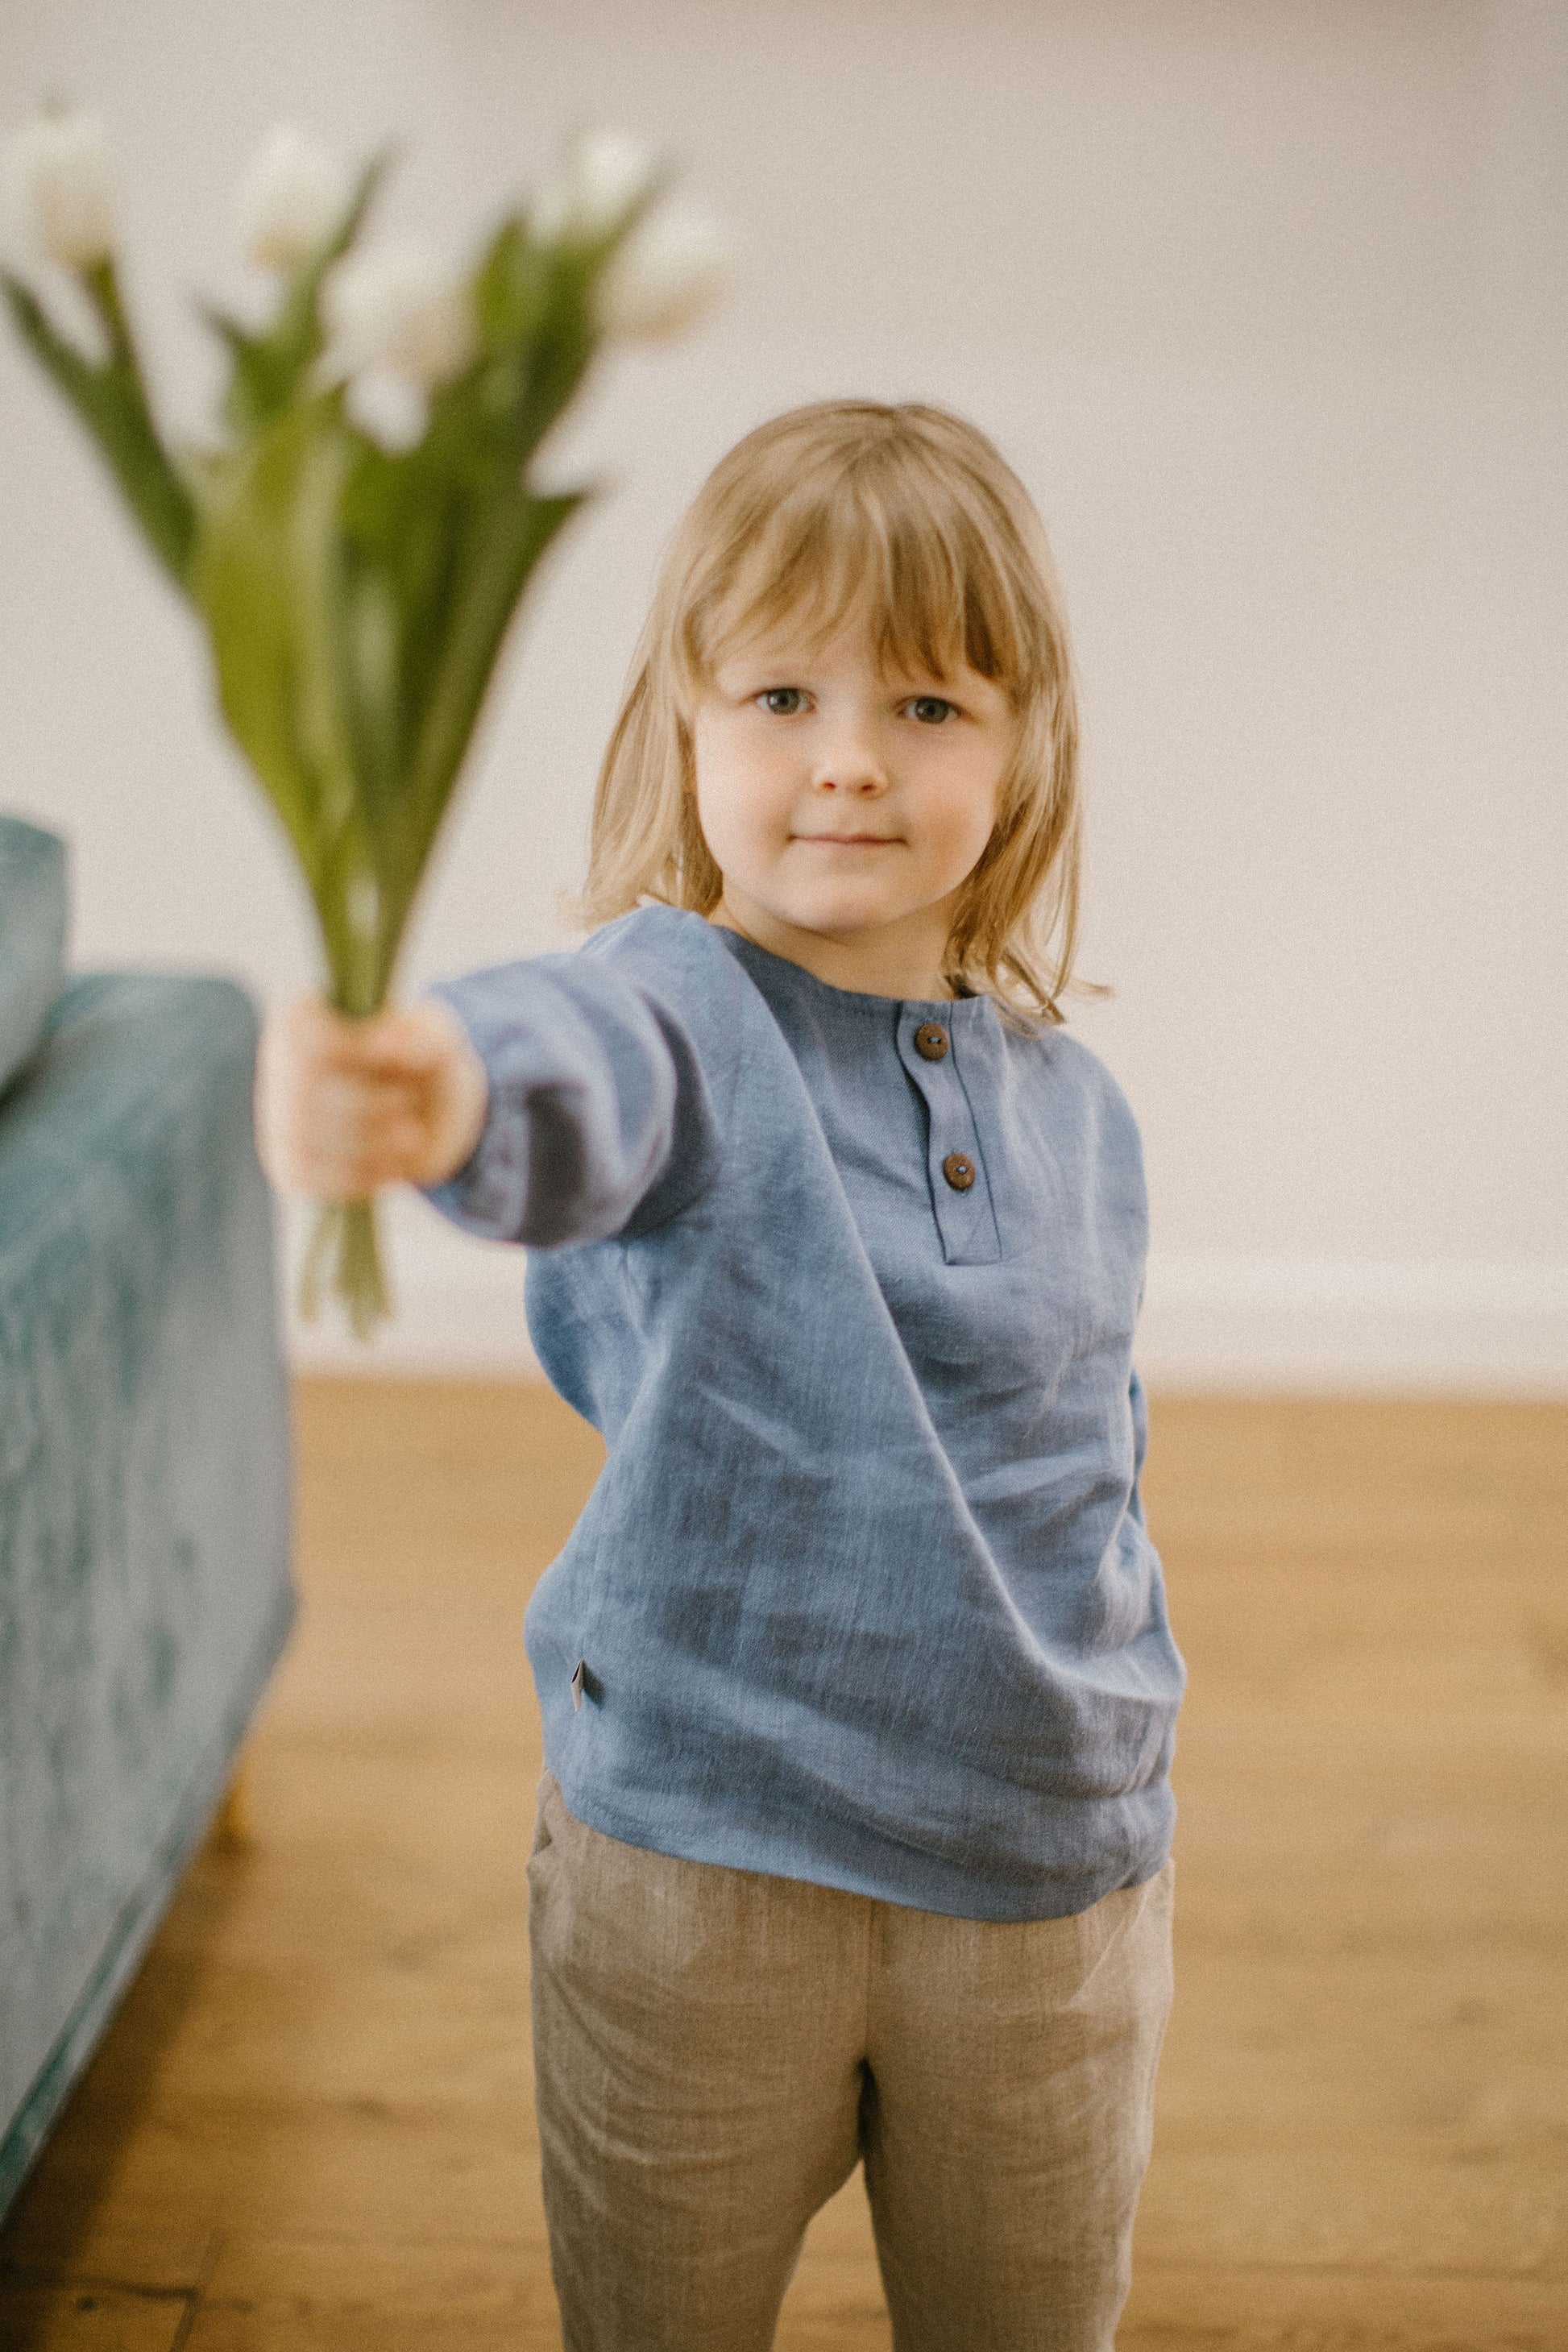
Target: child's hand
x,y
344,1105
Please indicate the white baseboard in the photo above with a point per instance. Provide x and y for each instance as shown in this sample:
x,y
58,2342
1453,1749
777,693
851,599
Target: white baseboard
x,y
1438,1327
1434,1326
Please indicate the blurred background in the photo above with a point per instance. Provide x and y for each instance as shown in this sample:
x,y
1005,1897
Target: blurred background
x,y
1268,305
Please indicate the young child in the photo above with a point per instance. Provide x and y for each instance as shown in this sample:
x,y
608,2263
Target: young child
x,y
856,1682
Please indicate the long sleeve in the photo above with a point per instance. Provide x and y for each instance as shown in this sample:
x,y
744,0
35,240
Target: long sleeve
x,y
599,1121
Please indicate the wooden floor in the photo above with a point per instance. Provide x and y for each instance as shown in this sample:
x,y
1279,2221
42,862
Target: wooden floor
x,y
310,2125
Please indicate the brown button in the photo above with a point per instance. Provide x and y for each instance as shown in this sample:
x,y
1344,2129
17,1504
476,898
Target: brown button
x,y
930,1041
959,1171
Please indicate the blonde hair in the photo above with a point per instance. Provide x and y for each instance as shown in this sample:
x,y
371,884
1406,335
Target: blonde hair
x,y
906,520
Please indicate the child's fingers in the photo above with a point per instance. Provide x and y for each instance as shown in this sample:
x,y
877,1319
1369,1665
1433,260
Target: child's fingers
x,y
344,1105
350,1104
311,1035
347,1174
427,1035
344,1154
316,1127
413,1040
344,1111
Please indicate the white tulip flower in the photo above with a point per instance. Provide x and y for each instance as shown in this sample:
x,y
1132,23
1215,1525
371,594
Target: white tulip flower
x,y
671,268
290,197
397,309
60,193
604,173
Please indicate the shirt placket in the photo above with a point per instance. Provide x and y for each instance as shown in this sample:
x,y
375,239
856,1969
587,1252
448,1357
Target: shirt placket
x,y
955,1166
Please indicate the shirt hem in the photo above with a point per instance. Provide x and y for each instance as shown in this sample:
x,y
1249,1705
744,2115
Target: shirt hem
x,y
1054,1892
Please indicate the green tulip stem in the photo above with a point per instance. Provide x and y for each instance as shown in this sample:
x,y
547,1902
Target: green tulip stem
x,y
342,1261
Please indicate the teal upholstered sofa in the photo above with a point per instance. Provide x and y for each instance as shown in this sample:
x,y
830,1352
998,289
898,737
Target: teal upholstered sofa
x,y
144,1491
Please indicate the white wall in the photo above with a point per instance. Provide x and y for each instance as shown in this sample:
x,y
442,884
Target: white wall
x,y
1270,307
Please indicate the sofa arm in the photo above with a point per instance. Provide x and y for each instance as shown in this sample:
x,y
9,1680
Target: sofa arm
x,y
144,1493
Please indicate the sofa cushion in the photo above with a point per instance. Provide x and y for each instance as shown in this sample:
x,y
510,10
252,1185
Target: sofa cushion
x,y
32,936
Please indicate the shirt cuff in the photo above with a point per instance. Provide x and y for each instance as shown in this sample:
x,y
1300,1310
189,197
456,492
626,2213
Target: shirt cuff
x,y
487,1195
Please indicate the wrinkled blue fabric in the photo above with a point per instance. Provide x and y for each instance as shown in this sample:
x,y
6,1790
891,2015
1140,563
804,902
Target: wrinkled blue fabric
x,y
863,1594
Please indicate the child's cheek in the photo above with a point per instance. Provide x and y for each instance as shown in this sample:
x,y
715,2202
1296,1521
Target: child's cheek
x,y
728,823
752,803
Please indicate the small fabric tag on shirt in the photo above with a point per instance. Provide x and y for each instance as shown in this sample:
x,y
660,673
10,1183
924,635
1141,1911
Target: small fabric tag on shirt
x,y
578,1672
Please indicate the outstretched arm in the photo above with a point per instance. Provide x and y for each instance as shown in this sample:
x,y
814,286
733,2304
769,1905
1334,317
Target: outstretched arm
x,y
544,1102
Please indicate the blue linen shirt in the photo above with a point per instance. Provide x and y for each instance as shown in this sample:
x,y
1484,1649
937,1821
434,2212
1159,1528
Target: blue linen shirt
x,y
863,1594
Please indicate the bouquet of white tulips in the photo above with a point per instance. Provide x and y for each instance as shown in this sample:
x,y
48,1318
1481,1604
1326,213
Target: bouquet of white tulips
x,y
357,540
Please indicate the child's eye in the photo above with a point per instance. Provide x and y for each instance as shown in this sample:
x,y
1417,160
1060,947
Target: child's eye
x,y
932,710
784,701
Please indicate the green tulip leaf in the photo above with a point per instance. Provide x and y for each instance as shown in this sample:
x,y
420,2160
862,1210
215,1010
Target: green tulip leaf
x,y
497,555
270,580
111,398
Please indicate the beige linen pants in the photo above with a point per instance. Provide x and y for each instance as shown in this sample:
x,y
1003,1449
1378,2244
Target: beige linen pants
x,y
716,2049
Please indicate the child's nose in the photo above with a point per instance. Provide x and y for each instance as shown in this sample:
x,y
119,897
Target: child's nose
x,y
852,765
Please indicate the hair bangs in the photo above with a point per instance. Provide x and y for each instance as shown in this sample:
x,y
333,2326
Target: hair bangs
x,y
873,550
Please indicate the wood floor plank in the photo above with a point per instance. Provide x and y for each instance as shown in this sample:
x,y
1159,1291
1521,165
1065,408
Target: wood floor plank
x,y
283,2293
311,2124
1355,2208
89,2319
1248,2308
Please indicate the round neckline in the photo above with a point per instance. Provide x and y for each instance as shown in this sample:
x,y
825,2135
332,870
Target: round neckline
x,y
942,1008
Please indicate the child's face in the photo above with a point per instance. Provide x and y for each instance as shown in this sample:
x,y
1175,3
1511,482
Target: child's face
x,y
846,807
